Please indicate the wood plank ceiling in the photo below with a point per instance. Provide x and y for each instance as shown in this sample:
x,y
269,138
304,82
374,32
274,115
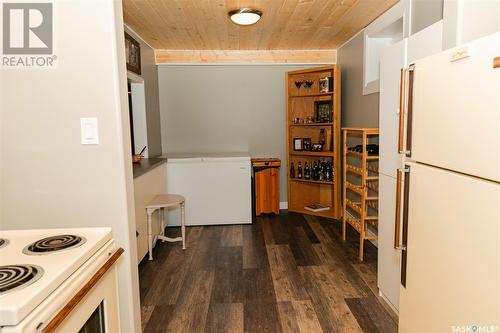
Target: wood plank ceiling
x,y
285,24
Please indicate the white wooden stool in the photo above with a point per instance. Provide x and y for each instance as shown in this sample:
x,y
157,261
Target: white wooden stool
x,y
161,202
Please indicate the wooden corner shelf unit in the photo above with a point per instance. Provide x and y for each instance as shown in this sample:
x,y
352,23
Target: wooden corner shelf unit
x,y
304,96
360,184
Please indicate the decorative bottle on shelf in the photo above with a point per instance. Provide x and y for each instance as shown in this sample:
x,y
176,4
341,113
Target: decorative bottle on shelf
x,y
307,171
292,170
299,171
315,171
328,175
321,171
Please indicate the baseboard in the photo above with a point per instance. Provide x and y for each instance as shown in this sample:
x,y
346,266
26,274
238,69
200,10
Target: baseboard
x,y
284,205
388,303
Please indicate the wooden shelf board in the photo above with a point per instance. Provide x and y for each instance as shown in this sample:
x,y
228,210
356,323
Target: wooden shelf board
x,y
372,178
353,206
356,224
354,188
360,155
313,153
312,70
313,95
324,213
310,181
313,124
352,169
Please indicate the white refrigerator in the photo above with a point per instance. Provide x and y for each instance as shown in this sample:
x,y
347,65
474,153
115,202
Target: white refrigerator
x,y
450,219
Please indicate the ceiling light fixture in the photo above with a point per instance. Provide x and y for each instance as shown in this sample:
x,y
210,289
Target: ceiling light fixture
x,y
245,16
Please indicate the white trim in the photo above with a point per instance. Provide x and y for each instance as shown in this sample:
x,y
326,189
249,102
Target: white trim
x,y
284,205
134,77
386,300
137,35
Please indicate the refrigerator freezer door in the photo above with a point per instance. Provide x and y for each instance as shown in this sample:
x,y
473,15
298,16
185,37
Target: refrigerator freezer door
x,y
389,259
392,61
456,109
453,266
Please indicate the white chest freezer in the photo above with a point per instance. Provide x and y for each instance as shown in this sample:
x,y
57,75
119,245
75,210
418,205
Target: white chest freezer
x,y
217,188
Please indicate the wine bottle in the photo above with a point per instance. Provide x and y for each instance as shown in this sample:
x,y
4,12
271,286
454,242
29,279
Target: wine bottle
x,y
299,171
307,171
315,171
292,170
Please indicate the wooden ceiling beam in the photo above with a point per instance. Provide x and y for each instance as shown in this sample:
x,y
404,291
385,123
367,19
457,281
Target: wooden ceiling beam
x,y
246,56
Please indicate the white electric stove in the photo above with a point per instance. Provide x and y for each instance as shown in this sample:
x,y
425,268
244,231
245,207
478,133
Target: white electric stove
x,y
42,270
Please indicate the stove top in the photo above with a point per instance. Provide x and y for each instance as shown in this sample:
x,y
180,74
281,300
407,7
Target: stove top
x,y
13,277
54,244
36,262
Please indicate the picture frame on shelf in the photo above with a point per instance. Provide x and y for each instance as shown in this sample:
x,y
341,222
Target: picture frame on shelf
x,y
298,144
324,85
132,54
317,147
323,111
306,144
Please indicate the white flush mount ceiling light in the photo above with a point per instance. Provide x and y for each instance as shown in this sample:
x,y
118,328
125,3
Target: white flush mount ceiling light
x,y
245,16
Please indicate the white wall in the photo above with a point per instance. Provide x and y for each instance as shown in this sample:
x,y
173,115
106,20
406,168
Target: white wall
x,y
48,179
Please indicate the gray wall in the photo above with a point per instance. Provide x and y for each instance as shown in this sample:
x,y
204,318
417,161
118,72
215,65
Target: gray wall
x,y
425,13
225,108
358,110
149,72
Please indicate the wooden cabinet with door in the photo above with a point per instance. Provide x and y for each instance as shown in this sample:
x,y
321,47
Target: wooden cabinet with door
x,y
267,185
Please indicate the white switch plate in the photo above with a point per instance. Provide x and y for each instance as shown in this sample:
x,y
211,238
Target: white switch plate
x,y
89,131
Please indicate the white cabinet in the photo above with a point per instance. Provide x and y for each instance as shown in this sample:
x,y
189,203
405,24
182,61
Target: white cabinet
x,y
389,260
392,62
394,58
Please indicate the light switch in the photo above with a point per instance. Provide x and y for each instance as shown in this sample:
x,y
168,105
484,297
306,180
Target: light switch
x,y
89,131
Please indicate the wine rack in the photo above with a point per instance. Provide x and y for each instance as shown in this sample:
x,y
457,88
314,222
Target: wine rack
x,y
360,183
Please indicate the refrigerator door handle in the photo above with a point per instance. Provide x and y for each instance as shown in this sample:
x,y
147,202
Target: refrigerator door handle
x,y
401,110
409,120
397,220
404,244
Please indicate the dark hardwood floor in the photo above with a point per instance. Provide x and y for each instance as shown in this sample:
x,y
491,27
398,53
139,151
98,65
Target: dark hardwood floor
x,y
287,273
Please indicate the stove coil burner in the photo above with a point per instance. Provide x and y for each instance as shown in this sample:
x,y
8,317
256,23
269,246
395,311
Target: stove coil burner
x,y
54,244
18,276
3,242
